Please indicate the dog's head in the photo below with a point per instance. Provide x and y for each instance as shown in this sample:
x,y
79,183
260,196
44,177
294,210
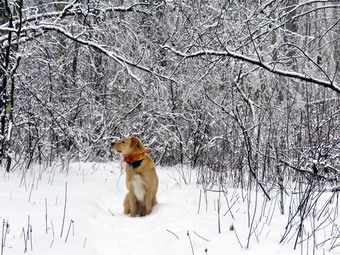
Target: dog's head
x,y
128,146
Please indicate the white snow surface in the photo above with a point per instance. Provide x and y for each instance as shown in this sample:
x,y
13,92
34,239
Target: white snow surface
x,y
32,213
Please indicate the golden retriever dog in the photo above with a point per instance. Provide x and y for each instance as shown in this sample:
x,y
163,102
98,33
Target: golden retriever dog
x,y
141,177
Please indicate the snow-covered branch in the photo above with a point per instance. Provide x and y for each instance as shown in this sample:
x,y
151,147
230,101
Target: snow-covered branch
x,y
123,61
266,66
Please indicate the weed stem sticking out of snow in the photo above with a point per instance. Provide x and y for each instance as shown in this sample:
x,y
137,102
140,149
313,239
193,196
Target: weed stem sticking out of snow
x,y
46,227
192,248
84,242
3,236
199,202
29,197
201,237
27,235
69,228
52,229
111,212
62,226
173,233
232,228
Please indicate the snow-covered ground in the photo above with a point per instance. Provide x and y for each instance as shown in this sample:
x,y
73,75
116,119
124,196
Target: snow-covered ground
x,y
47,211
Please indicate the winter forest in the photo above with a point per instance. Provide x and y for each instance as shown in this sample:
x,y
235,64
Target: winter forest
x,y
241,94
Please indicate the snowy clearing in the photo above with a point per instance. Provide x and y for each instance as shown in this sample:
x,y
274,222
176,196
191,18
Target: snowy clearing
x,y
51,212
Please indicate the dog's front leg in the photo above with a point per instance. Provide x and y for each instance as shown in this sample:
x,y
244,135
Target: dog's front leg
x,y
148,202
127,204
142,210
133,204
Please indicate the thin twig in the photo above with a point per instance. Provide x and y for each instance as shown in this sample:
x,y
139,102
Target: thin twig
x,y
111,212
25,239
85,241
69,228
173,233
199,202
201,237
63,223
52,229
46,227
192,248
238,239
3,237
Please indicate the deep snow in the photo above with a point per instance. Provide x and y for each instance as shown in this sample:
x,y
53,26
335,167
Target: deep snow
x,y
33,205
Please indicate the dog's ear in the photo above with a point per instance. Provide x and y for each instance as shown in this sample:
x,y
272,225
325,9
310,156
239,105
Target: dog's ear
x,y
135,143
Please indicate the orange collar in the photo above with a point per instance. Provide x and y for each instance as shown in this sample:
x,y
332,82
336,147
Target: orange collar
x,y
136,157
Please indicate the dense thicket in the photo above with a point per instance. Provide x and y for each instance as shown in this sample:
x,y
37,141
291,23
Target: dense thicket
x,y
233,86
247,92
